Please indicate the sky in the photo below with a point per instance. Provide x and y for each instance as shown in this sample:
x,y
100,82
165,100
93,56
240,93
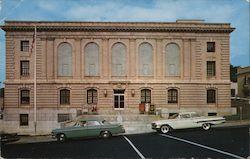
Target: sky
x,y
236,12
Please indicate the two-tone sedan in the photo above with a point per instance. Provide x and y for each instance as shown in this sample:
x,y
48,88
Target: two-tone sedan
x,y
186,120
88,128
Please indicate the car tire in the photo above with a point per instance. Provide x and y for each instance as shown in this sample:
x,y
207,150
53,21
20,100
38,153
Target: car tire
x,y
106,134
165,129
206,126
61,137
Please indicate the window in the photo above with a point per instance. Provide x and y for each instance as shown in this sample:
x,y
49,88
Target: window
x,y
210,68
172,96
91,59
119,99
63,117
232,92
145,59
64,96
25,45
211,96
172,60
92,96
145,96
119,60
25,97
24,119
92,123
64,59
24,68
210,46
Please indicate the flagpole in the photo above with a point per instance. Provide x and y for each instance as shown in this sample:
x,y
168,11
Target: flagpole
x,y
35,117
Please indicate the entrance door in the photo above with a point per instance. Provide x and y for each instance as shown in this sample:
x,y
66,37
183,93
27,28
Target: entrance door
x,y
119,99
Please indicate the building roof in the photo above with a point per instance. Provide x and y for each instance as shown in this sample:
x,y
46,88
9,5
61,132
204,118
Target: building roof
x,y
178,26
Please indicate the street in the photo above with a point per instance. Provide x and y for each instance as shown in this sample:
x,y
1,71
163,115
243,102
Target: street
x,y
229,142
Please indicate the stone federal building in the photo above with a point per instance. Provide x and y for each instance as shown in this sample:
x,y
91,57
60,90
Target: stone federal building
x,y
112,68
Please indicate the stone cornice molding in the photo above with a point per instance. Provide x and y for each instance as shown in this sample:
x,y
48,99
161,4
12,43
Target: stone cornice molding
x,y
118,27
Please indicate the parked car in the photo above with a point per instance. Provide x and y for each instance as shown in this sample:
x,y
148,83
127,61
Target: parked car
x,y
186,120
88,128
8,137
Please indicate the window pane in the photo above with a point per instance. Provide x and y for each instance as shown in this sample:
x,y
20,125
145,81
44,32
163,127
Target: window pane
x,y
64,56
145,59
64,96
118,60
24,68
25,46
63,117
91,59
172,60
210,46
24,119
172,96
210,68
145,96
25,96
211,96
92,96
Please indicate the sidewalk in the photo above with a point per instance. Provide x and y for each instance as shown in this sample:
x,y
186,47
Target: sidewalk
x,y
134,128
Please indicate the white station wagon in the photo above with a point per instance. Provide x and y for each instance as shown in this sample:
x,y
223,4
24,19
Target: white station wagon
x,y
186,120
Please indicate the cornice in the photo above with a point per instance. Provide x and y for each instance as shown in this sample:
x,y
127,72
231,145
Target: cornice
x,y
28,26
118,29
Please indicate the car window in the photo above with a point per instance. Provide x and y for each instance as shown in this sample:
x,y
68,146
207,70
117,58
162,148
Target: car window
x,y
173,116
92,123
194,115
185,116
105,122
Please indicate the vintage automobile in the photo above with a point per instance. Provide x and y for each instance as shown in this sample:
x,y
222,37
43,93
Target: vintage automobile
x,y
88,128
186,120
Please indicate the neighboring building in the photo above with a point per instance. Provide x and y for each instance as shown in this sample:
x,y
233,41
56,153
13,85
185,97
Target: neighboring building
x,y
112,68
243,80
234,90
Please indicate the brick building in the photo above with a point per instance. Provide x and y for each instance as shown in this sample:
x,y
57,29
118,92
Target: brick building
x,y
112,68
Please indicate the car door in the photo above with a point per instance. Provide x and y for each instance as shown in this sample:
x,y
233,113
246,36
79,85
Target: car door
x,y
77,131
93,128
184,121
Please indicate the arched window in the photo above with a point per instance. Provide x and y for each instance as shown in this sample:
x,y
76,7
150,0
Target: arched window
x,y
25,97
172,60
92,96
118,60
211,96
145,59
145,96
91,56
64,96
64,59
172,96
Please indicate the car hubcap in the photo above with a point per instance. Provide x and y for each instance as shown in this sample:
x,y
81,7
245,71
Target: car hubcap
x,y
164,129
206,126
61,137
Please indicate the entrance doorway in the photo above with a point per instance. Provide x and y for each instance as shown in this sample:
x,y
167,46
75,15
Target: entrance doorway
x,y
119,99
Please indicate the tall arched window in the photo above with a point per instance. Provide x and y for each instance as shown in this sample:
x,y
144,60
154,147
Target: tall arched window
x,y
118,60
91,56
64,59
146,96
172,96
172,60
145,59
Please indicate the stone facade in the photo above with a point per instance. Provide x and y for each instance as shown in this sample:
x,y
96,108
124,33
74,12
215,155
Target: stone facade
x,y
123,64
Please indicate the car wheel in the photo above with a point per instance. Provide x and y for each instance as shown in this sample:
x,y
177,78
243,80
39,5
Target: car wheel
x,y
105,134
165,129
206,126
61,137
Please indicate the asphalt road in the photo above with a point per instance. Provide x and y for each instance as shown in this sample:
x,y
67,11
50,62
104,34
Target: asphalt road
x,y
230,142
